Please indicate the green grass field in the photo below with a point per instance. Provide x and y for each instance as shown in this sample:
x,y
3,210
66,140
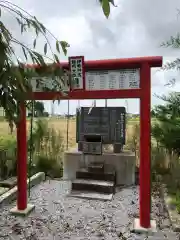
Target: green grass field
x,y
59,124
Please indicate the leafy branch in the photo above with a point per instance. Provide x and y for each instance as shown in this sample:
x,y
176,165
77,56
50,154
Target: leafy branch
x,y
15,78
26,22
173,42
106,6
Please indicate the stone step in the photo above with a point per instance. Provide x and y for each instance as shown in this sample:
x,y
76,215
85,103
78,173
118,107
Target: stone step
x,y
93,185
85,174
96,168
8,183
91,195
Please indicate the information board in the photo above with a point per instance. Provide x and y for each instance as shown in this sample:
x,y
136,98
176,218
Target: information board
x,y
107,121
114,79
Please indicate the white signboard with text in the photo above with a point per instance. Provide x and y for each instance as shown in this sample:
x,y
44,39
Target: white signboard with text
x,y
113,79
94,80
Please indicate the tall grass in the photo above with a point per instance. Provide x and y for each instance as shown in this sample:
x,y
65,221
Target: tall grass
x,y
164,166
7,157
47,151
159,156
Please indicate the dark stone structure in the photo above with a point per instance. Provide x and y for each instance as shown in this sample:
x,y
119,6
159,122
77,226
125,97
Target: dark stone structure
x,y
107,122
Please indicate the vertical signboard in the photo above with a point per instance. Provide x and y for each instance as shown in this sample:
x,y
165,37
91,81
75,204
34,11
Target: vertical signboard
x,y
77,71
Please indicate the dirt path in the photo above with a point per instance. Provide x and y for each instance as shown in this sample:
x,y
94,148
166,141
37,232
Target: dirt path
x,y
59,217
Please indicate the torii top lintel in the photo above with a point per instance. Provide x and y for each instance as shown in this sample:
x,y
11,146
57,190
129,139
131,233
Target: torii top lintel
x,y
109,64
112,64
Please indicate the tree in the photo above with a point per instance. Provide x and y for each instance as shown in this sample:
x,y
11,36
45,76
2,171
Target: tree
x,y
166,130
39,108
152,113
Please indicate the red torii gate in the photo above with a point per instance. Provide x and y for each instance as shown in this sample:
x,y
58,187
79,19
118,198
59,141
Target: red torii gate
x,y
143,92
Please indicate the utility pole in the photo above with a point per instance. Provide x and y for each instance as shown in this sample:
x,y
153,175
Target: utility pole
x,y
126,104
52,109
94,105
67,129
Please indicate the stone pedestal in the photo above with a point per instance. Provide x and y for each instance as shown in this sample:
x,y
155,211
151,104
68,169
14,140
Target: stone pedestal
x,y
138,229
15,211
123,163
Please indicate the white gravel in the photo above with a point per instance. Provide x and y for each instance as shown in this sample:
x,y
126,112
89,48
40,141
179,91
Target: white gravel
x,y
59,217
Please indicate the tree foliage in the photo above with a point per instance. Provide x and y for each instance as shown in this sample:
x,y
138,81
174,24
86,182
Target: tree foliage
x,y
167,128
173,42
153,113
106,6
14,75
39,107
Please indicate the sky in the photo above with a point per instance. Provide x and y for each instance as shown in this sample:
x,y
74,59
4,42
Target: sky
x,y
134,28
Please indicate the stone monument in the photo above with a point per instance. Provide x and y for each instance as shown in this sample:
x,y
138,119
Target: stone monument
x,y
109,122
89,167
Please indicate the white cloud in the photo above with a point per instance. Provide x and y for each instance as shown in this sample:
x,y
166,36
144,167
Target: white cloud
x,y
74,30
135,28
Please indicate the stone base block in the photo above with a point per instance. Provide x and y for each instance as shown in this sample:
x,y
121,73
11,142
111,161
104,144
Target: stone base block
x,y
138,229
122,163
24,212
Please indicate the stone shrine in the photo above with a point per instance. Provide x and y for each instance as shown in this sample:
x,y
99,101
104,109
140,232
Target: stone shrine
x,y
93,171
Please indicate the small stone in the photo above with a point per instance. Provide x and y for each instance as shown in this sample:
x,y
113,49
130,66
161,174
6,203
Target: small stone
x,y
165,223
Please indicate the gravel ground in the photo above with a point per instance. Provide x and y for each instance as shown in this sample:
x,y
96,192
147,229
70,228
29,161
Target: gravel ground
x,y
59,217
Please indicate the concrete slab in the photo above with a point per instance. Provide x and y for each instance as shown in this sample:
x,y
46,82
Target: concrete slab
x,y
3,190
11,194
91,195
94,182
138,229
9,183
24,212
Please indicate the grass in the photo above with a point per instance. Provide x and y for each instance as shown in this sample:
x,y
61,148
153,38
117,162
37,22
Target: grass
x,y
47,149
176,201
59,124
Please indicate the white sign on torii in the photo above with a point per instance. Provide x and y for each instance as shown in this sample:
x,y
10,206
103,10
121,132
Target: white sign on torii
x,y
94,80
113,79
